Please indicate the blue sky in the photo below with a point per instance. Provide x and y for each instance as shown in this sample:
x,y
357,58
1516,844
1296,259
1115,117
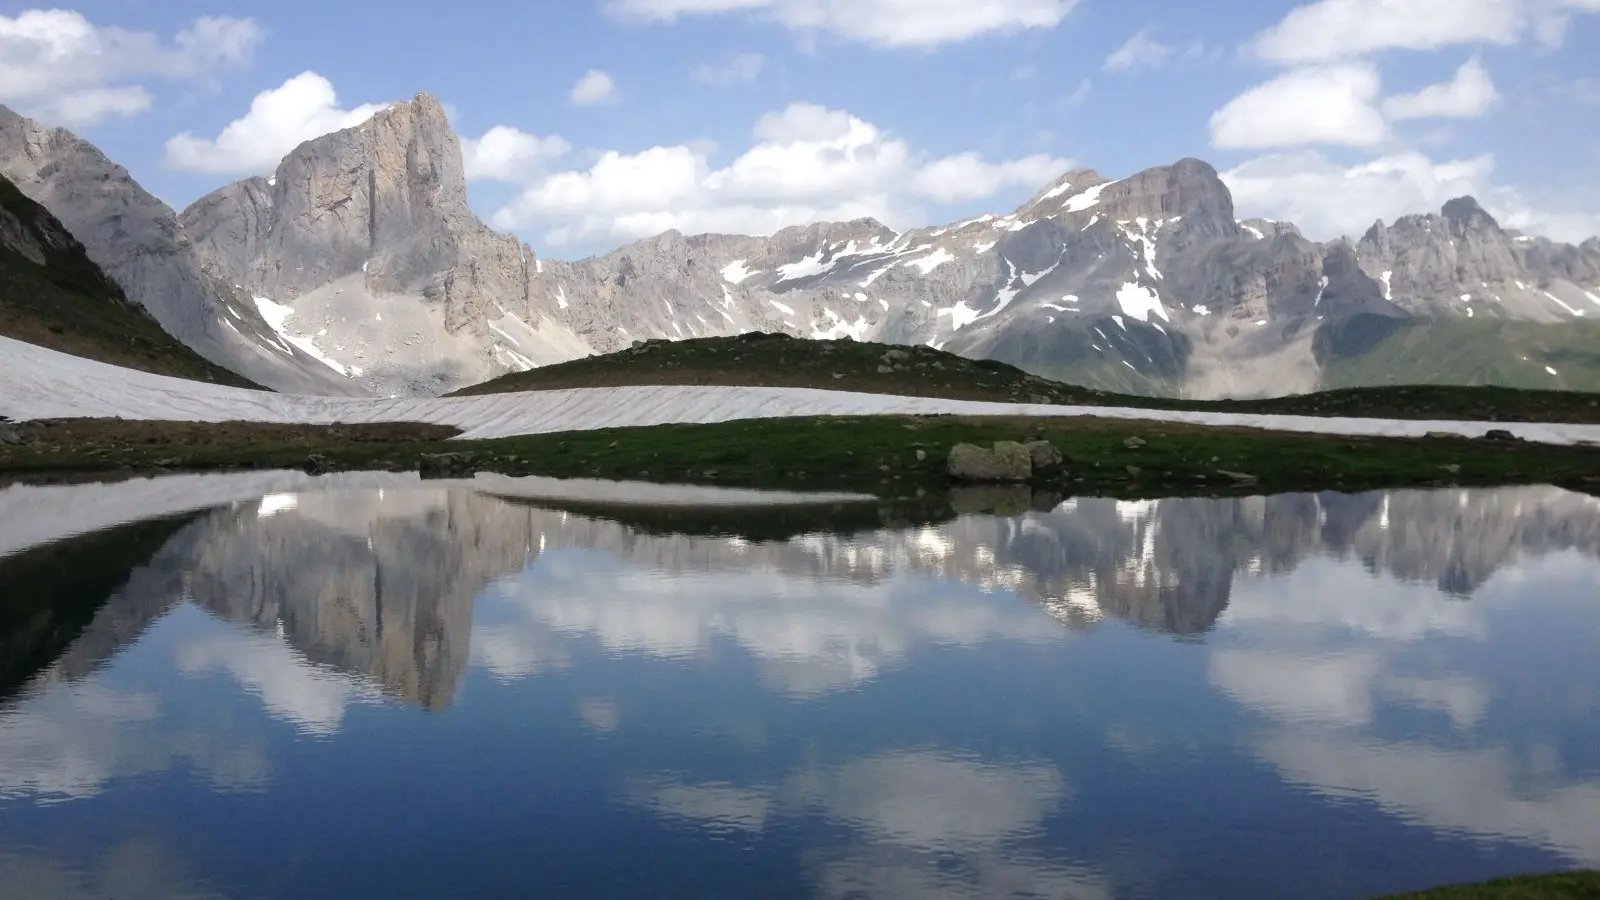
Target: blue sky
x,y
744,115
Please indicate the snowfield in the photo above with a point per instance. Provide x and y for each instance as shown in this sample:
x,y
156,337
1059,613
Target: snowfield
x,y
37,383
31,515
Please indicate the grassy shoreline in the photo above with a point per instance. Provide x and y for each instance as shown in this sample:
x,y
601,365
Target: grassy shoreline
x,y
886,456
1580,885
768,360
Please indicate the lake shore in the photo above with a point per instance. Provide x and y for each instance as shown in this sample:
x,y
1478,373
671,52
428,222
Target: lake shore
x,y
886,456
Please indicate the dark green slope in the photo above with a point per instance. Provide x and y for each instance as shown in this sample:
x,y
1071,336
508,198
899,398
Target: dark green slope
x,y
52,295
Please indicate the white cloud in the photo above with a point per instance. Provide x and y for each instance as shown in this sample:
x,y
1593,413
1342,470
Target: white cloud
x,y
1138,51
808,163
743,68
1317,105
1469,95
967,176
508,154
59,66
280,119
1326,199
1342,29
594,88
888,23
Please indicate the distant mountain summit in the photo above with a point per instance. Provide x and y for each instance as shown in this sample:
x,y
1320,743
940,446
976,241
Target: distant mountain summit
x,y
362,255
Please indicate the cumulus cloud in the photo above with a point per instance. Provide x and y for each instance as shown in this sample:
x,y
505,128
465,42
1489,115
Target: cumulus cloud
x,y
60,67
1341,29
1469,95
808,163
509,154
1327,199
1139,51
887,23
1316,105
741,69
968,176
280,119
594,88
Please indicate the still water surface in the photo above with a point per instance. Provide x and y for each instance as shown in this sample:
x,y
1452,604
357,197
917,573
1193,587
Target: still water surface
x,y
433,692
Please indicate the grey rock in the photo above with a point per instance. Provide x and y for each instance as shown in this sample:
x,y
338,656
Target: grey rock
x,y
1043,455
1499,434
991,499
447,465
10,436
138,241
1005,461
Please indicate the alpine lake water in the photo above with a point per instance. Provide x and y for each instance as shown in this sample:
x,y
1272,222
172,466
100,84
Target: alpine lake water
x,y
437,690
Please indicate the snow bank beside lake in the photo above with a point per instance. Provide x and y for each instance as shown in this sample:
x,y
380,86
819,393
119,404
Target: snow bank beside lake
x,y
31,515
37,383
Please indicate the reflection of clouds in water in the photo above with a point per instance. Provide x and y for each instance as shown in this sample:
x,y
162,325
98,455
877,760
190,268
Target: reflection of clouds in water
x,y
811,636
1327,594
292,688
603,714
1474,791
714,807
929,824
1322,703
133,871
942,826
68,741
935,801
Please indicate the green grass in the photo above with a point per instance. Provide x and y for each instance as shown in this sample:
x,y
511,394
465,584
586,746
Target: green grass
x,y
779,361
877,455
1560,886
68,304
1458,351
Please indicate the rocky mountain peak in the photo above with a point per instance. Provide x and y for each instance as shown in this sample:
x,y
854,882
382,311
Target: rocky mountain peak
x,y
1464,214
1189,189
1059,193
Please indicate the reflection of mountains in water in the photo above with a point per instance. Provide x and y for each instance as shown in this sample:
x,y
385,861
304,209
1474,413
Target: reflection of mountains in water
x,y
381,584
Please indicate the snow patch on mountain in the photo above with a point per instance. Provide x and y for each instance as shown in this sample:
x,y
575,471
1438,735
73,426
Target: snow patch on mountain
x,y
277,318
1087,199
1140,302
932,261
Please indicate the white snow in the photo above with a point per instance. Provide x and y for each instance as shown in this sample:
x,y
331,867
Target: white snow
x,y
805,268
1550,370
1067,299
1057,191
1577,312
780,307
1120,322
1146,242
1081,202
960,315
1469,312
1321,287
37,383
735,272
277,316
1129,365
1261,321
1202,310
1592,298
1253,232
862,298
1138,302
876,274
932,261
561,296
538,266
668,304
1050,319
1466,298
883,303
841,327
1388,285
272,181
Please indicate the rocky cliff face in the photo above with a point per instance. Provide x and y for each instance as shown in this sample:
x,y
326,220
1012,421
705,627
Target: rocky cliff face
x,y
367,237
137,240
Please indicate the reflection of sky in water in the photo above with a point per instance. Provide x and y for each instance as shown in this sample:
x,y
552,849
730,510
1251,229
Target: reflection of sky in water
x,y
1384,693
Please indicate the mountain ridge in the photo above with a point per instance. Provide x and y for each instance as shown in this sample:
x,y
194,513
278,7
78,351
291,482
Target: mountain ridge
x,y
361,252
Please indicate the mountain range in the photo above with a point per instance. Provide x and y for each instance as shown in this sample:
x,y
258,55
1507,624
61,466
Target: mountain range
x,y
358,267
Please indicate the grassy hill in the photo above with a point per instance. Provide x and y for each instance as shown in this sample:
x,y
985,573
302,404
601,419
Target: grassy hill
x,y
1373,350
52,295
781,361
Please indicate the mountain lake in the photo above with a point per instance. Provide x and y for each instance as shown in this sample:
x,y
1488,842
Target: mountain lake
x,y
265,686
